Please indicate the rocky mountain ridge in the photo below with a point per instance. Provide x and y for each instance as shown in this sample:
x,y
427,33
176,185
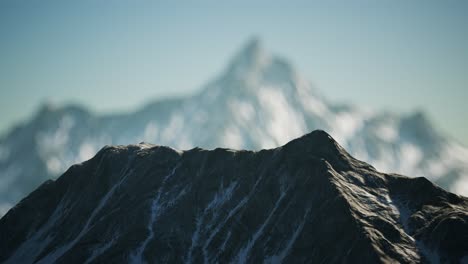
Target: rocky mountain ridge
x,y
307,201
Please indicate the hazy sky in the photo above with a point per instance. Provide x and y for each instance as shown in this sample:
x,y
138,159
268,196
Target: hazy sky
x,y
115,55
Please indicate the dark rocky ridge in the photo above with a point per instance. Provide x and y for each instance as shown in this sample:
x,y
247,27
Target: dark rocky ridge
x,y
308,201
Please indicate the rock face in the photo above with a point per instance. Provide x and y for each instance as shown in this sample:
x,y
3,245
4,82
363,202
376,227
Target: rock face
x,y
258,101
307,201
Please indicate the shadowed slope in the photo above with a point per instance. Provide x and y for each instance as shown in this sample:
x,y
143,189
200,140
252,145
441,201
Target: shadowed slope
x,y
308,201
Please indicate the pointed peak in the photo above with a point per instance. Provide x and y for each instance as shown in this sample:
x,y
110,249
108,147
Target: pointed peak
x,y
315,139
47,106
320,144
417,120
418,116
253,46
252,56
418,127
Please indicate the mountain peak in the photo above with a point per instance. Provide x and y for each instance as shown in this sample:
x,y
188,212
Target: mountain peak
x,y
320,144
251,57
253,45
418,127
46,107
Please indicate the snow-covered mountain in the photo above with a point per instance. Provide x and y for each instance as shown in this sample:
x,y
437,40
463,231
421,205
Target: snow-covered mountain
x,y
259,101
308,201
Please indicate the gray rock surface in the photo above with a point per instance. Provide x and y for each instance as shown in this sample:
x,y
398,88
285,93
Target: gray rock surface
x,y
308,201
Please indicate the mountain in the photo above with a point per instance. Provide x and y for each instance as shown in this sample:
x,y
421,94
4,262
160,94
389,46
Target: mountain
x,y
258,101
307,201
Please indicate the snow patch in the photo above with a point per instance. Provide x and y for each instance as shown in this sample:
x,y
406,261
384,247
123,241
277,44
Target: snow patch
x,y
101,249
283,122
54,166
284,253
244,253
173,129
157,208
151,132
412,156
461,186
243,110
310,102
4,207
55,141
387,132
34,245
233,138
220,198
55,255
87,151
345,125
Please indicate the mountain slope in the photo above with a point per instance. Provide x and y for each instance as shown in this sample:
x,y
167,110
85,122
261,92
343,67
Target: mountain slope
x,y
308,201
259,101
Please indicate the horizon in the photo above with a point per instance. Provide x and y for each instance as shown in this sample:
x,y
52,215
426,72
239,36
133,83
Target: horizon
x,y
413,57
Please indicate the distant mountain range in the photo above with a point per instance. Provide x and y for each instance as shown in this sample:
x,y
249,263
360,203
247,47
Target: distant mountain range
x,y
308,201
259,101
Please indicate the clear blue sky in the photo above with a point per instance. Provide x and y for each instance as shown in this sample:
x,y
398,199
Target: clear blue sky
x,y
115,55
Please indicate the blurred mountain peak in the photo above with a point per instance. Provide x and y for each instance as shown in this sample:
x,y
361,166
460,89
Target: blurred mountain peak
x,y
47,106
253,47
251,57
254,66
419,115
